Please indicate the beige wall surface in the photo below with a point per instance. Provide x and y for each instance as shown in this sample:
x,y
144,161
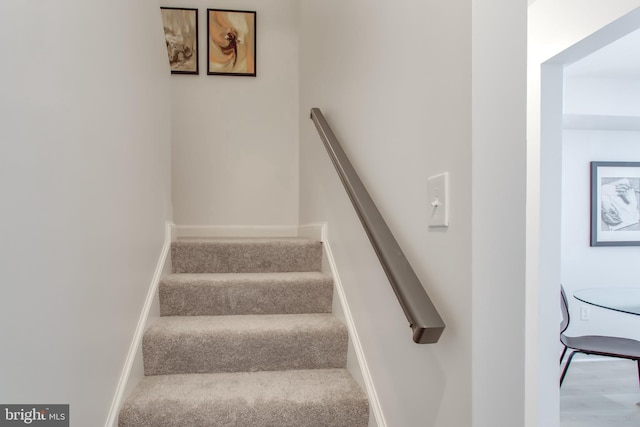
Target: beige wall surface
x,y
86,191
396,83
235,139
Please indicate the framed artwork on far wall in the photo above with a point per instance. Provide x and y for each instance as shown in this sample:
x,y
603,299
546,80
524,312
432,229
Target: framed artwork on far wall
x,y
615,203
231,40
181,35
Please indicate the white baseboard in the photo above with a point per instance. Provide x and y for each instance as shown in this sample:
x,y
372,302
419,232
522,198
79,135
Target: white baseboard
x,y
134,348
374,401
311,231
187,231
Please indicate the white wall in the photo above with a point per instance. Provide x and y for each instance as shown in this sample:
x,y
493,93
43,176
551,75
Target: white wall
x,y
235,139
560,32
602,97
396,86
85,185
498,212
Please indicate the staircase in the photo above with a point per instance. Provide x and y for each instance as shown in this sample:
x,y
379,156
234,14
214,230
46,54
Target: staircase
x,y
246,338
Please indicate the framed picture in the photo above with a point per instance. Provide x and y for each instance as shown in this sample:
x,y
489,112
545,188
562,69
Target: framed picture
x,y
181,36
231,37
615,203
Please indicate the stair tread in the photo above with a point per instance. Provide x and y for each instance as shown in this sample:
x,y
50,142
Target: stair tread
x,y
243,323
198,344
208,294
295,385
245,255
327,397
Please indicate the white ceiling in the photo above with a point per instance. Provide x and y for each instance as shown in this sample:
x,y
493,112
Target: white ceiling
x,y
618,60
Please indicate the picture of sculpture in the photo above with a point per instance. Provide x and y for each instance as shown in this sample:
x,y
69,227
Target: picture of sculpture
x,y
615,203
181,36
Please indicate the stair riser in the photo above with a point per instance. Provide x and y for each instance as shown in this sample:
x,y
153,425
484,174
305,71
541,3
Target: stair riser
x,y
209,299
259,257
236,352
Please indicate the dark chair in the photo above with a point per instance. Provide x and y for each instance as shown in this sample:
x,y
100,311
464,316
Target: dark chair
x,y
621,348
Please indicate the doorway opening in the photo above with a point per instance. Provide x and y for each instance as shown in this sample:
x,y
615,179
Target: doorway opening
x,y
586,114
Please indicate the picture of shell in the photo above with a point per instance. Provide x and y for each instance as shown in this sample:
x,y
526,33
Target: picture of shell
x,y
232,42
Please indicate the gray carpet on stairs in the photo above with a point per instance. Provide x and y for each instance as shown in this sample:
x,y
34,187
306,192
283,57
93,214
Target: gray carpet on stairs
x,y
182,344
246,255
246,338
209,294
310,398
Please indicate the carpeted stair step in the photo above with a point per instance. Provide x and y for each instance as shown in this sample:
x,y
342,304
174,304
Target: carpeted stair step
x,y
306,398
246,255
198,344
208,294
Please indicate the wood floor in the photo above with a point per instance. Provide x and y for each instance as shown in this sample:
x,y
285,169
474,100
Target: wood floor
x,y
600,394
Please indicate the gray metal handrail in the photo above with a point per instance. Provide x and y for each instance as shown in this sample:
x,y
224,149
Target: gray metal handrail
x,y
423,317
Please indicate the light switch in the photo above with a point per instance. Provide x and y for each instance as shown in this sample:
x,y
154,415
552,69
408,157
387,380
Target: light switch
x,y
438,197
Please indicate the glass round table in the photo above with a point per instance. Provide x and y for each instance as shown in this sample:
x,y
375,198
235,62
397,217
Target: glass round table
x,y
625,300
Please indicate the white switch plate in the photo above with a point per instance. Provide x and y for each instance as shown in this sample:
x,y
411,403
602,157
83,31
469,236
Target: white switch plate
x,y
438,200
585,313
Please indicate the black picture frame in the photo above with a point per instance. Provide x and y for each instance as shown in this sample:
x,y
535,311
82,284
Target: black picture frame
x,y
615,203
231,42
181,37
